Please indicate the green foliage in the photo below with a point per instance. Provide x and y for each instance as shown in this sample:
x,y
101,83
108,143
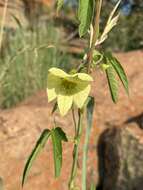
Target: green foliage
x,y
85,15
37,149
58,136
112,82
119,70
113,67
108,63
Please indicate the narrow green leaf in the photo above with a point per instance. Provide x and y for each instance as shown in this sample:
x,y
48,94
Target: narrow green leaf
x,y
120,71
58,136
90,110
59,4
85,15
37,149
112,82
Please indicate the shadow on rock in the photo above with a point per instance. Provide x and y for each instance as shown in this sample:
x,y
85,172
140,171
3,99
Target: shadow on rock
x,y
137,119
120,152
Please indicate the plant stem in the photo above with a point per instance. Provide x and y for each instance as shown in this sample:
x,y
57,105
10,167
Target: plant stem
x,y
79,126
74,119
75,151
96,22
95,33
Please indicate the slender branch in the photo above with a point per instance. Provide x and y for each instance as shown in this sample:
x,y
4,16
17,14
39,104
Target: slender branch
x,y
93,38
3,22
96,22
74,119
94,33
75,151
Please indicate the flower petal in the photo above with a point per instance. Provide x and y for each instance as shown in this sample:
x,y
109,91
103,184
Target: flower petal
x,y
85,77
53,81
80,97
64,104
51,94
58,72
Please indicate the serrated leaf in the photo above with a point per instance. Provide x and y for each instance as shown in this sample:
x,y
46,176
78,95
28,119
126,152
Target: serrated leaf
x,y
112,82
120,71
85,15
90,110
37,149
59,4
58,136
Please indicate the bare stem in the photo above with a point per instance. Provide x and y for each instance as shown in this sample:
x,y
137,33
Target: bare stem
x,y
74,119
96,22
95,33
75,152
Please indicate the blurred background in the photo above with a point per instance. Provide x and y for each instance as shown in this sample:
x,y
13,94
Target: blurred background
x,y
36,38
33,25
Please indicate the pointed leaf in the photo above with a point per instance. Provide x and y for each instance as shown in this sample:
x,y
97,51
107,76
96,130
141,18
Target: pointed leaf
x,y
58,136
37,149
112,82
112,21
90,110
85,15
113,11
120,71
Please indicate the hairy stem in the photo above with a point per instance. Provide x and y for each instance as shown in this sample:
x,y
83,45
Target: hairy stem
x,y
75,151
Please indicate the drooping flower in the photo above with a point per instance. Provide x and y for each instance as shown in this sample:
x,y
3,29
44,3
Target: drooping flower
x,y
68,88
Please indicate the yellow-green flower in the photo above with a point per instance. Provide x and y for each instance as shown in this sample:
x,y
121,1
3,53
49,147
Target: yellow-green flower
x,y
68,88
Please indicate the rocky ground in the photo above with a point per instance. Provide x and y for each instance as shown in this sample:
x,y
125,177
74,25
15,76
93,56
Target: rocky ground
x,y
21,126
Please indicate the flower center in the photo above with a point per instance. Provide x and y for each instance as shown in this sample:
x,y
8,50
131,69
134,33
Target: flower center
x,y
68,86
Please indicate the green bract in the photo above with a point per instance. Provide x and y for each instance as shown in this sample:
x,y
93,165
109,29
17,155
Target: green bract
x,y
68,88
